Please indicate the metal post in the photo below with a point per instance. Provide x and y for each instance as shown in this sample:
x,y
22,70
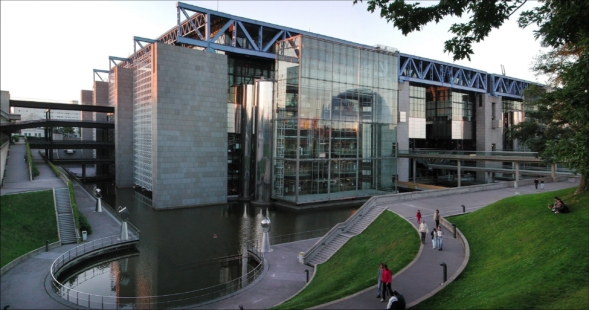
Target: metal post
x,y
454,230
444,267
307,272
458,166
516,175
414,170
463,209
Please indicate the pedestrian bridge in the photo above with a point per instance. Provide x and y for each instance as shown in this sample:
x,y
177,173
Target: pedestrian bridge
x,y
516,158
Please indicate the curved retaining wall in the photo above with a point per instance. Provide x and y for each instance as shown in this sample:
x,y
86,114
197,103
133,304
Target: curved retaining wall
x,y
24,257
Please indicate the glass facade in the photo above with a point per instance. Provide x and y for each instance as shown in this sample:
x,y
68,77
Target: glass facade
x,y
449,113
335,113
513,114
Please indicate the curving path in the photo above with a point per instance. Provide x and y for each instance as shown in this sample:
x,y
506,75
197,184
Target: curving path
x,y
424,276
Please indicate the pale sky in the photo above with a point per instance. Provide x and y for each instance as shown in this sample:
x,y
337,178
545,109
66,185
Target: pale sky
x,y
49,49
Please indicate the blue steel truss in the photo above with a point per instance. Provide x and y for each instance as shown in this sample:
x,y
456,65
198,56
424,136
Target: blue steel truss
x,y
213,30
433,72
97,73
507,86
112,60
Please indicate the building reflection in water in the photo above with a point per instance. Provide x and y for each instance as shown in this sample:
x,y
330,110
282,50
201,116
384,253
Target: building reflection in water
x,y
192,248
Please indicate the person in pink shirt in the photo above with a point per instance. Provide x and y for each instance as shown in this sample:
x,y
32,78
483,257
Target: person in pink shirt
x,y
387,278
418,215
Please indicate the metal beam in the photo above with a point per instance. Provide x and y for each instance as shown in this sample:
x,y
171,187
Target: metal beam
x,y
433,72
225,48
60,106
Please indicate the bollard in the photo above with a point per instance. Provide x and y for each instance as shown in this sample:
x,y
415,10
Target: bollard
x,y
46,245
454,230
307,272
445,272
463,209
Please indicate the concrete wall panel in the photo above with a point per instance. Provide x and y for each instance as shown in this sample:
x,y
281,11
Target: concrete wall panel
x,y
190,127
123,126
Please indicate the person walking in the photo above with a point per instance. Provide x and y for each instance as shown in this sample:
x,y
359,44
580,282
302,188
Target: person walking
x,y
434,235
386,279
440,238
379,279
542,183
536,182
437,217
423,230
418,216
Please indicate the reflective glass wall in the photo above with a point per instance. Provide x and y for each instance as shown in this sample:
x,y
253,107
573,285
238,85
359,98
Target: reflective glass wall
x,y
335,121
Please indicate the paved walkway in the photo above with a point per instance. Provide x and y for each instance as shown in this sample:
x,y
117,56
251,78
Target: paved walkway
x,y
425,275
23,286
17,172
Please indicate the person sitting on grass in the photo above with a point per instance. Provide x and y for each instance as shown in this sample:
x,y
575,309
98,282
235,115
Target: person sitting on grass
x,y
559,206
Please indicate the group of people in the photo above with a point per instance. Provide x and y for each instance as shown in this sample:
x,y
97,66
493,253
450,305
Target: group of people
x,y
436,234
559,206
385,277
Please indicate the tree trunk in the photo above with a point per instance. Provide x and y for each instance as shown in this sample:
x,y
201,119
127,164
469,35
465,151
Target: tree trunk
x,y
583,185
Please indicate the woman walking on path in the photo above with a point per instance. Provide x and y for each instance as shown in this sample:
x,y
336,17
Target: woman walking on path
x,y
387,278
434,235
542,183
379,279
437,217
423,230
440,238
418,215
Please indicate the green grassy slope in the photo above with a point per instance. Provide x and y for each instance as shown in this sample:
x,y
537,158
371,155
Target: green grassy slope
x,y
389,239
523,256
26,221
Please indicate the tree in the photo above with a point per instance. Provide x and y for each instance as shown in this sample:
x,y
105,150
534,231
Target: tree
x,y
562,131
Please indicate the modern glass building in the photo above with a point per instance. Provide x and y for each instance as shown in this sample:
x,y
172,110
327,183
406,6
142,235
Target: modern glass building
x,y
224,107
335,121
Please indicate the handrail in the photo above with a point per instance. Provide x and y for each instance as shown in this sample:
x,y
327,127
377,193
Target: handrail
x,y
162,301
366,207
299,236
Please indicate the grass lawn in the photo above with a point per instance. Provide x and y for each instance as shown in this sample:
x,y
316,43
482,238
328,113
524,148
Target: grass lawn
x,y
389,239
523,256
26,221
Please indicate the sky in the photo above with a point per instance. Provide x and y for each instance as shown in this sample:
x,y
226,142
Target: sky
x,y
49,49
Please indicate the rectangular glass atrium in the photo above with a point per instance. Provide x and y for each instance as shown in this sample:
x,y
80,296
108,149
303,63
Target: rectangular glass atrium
x,y
335,126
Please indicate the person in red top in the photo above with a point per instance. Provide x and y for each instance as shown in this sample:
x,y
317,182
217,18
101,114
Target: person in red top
x,y
387,278
418,215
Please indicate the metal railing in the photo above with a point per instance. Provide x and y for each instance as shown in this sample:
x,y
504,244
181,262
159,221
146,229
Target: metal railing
x,y
340,227
467,153
299,236
194,297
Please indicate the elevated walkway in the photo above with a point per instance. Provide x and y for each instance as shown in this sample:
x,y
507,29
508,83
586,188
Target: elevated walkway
x,y
60,106
70,144
15,126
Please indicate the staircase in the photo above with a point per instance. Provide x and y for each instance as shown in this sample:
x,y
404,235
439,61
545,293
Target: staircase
x,y
337,237
65,218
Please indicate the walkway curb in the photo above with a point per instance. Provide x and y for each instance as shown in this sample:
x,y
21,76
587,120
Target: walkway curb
x,y
24,257
375,286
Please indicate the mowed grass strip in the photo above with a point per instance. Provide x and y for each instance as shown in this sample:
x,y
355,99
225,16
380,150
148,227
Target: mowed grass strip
x,y
523,256
26,221
389,239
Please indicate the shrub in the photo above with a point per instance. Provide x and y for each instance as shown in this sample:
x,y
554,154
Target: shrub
x,y
54,169
79,218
